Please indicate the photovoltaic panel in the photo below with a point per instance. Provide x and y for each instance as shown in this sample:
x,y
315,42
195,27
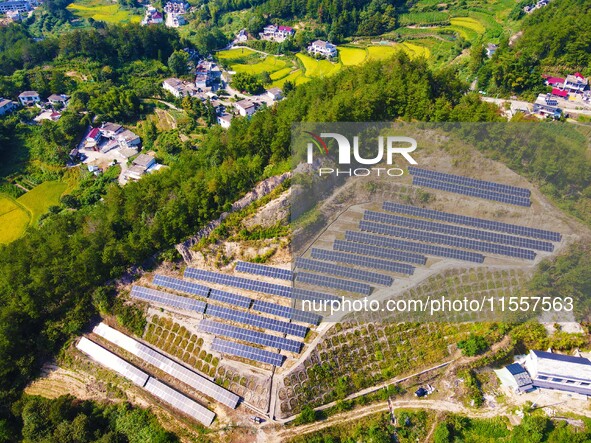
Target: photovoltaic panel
x,y
343,271
438,251
114,362
360,260
175,301
257,321
239,282
331,282
373,251
459,231
240,350
305,294
472,192
472,221
286,312
472,182
167,365
178,284
180,401
259,338
228,297
264,270
446,240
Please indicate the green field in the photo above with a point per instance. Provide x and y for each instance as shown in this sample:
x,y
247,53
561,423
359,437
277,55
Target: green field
x,y
102,10
39,199
13,219
352,56
252,62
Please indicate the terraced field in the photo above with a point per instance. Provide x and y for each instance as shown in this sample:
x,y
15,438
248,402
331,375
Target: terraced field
x,y
14,219
102,10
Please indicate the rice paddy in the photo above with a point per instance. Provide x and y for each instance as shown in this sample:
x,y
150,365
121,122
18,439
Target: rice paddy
x,y
101,10
14,219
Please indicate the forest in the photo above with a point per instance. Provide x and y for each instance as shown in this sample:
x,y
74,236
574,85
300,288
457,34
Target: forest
x,y
556,40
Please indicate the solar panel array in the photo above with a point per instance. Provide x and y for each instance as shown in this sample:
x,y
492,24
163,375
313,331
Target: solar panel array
x,y
228,297
472,182
343,271
112,361
365,262
240,350
175,301
180,401
331,282
259,338
438,251
459,231
447,240
472,192
392,254
267,271
472,221
181,285
168,365
257,320
239,282
286,312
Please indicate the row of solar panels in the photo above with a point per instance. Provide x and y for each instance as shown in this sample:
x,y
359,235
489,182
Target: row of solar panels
x,y
471,182
264,270
165,393
459,242
256,286
459,231
167,365
153,295
236,300
472,221
472,192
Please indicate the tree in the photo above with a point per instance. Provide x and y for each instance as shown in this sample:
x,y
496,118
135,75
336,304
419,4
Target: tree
x,y
250,83
178,62
306,415
473,345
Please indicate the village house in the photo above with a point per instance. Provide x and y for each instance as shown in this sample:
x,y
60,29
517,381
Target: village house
x,y
575,83
555,82
110,130
178,88
16,5
225,120
140,165
28,98
547,106
276,33
242,36
152,16
275,94
245,108
58,100
7,106
323,48
49,115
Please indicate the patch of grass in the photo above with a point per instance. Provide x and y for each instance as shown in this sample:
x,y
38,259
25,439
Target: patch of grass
x,y
13,220
38,200
102,10
352,56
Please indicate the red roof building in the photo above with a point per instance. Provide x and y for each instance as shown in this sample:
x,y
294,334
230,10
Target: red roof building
x,y
554,81
559,93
